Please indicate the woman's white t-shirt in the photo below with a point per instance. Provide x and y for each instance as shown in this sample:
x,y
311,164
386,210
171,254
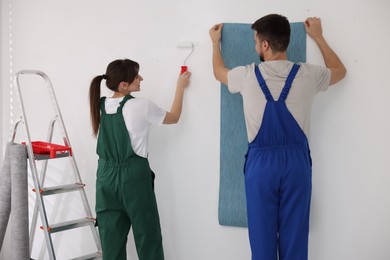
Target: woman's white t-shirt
x,y
138,113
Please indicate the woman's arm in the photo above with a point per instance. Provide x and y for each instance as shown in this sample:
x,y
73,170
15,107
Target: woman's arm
x,y
173,116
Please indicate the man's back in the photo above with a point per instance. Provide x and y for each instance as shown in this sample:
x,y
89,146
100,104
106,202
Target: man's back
x,y
310,80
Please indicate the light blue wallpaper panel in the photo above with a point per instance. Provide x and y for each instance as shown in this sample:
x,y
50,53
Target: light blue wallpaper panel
x,y
237,50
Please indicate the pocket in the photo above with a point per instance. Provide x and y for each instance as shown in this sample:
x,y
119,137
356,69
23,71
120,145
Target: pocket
x,y
246,158
102,174
153,177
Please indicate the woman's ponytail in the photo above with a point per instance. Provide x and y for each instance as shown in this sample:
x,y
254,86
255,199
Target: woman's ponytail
x,y
94,103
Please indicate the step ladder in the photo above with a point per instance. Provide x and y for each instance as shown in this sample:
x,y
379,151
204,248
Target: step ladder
x,y
38,150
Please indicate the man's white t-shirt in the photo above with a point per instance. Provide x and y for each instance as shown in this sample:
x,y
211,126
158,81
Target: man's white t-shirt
x,y
309,80
138,113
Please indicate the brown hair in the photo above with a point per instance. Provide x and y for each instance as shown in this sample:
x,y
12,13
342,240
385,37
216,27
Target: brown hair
x,y
118,71
275,29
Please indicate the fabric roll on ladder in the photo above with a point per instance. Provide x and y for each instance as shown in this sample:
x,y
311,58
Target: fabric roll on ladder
x,y
5,198
14,200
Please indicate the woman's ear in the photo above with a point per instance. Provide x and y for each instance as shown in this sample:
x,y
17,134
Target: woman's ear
x,y
123,86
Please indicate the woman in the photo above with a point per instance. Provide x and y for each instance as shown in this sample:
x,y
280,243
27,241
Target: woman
x,y
124,183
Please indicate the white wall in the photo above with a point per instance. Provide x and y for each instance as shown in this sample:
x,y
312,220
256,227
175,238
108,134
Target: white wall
x,y
2,17
72,41
4,254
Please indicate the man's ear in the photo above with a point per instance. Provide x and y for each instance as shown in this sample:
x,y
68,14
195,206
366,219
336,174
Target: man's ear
x,y
265,44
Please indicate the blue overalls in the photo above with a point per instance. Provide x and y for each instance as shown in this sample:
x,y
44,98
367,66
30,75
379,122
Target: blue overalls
x,y
278,182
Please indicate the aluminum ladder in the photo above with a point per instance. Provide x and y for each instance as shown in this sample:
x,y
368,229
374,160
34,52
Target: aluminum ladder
x,y
38,180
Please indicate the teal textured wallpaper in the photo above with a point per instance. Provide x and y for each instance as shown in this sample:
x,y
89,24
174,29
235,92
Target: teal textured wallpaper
x,y
238,50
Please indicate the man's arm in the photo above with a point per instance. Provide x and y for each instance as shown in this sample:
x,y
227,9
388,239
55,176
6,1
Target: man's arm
x,y
314,30
220,71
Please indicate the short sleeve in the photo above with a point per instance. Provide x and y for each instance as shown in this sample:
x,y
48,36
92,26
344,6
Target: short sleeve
x,y
321,77
155,114
236,78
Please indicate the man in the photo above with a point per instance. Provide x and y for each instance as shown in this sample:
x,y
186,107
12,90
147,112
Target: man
x,y
277,99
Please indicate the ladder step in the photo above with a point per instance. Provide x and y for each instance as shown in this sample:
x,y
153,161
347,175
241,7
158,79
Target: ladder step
x,y
61,189
97,255
70,224
40,157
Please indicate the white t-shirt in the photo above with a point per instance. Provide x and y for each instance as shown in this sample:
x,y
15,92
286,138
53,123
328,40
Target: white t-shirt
x,y
139,113
309,80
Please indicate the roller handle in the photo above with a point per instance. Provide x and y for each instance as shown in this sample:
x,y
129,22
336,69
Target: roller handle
x,y
183,69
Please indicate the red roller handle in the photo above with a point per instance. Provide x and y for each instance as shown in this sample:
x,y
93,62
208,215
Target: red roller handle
x,y
183,69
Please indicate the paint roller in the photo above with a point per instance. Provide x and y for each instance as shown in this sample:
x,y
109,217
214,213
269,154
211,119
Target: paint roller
x,y
186,45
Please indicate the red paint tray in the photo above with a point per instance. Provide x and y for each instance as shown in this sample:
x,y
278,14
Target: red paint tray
x,y
49,148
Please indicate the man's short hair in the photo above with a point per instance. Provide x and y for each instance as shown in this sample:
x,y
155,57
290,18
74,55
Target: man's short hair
x,y
275,29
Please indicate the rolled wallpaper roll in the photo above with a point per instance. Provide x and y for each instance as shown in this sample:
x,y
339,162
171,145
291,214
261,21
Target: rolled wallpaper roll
x,y
14,200
19,202
5,198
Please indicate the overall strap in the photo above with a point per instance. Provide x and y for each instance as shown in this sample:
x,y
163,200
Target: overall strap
x,y
122,103
262,84
289,81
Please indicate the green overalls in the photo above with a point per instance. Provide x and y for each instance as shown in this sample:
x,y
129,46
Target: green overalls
x,y
124,193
